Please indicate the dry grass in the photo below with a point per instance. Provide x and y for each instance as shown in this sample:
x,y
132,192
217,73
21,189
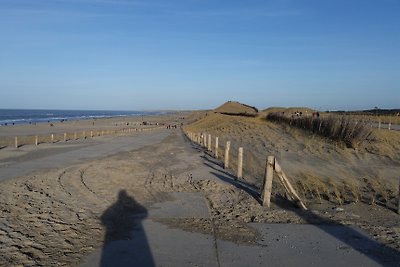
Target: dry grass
x,y
394,119
371,191
343,129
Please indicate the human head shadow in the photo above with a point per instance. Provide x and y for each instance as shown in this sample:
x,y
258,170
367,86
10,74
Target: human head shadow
x,y
381,254
125,241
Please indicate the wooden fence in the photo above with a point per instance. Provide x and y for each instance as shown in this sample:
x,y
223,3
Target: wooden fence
x,y
272,167
22,140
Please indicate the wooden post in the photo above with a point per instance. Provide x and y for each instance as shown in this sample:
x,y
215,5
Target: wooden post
x,y
75,136
65,137
91,134
269,175
102,132
379,124
227,148
84,135
205,140
16,142
36,140
240,163
288,186
52,138
209,142
390,125
216,147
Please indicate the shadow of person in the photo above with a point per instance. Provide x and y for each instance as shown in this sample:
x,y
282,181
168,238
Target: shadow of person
x,y
125,241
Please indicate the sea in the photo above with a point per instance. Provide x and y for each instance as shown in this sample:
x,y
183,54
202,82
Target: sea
x,y
32,116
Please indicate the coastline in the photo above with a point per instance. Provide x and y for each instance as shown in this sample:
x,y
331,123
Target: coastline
x,y
29,131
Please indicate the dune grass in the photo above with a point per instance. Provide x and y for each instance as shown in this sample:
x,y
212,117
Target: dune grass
x,y
338,128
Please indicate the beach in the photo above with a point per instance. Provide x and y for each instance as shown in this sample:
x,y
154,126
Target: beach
x,y
144,196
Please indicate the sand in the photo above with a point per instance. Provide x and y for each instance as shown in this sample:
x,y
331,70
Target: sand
x,y
53,217
313,163
27,132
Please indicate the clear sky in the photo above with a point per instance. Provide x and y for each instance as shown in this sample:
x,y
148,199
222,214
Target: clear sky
x,y
195,54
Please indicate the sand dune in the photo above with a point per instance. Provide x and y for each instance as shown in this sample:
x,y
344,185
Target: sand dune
x,y
321,168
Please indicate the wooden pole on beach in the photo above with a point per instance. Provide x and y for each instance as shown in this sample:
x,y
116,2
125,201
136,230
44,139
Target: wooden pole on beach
x,y
216,147
379,125
288,186
75,136
227,148
102,132
52,138
16,142
390,125
36,140
240,163
205,140
269,175
65,137
91,134
209,142
84,135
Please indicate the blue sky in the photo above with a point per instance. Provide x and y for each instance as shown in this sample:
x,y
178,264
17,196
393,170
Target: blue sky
x,y
196,54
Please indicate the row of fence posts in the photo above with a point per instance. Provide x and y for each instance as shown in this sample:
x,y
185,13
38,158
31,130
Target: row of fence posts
x,y
380,125
84,135
271,167
206,141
